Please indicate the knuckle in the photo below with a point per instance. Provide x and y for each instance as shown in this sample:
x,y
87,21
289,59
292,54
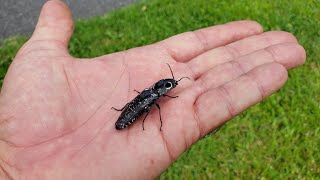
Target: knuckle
x,y
225,94
232,51
259,86
237,68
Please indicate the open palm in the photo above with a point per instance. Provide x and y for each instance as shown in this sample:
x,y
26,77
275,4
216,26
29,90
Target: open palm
x,y
56,117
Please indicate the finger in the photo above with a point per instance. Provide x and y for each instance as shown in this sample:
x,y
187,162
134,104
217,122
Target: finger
x,y
209,59
186,46
54,25
219,105
290,55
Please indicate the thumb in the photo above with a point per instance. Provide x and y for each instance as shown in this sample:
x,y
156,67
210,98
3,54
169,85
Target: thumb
x,y
55,24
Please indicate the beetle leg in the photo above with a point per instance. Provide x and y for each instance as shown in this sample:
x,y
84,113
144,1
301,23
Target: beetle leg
x,y
144,119
170,96
158,106
136,91
121,108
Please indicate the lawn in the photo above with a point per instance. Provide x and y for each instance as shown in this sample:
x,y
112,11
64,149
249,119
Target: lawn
x,y
276,139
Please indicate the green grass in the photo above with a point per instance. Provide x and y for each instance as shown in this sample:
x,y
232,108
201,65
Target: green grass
x,y
276,139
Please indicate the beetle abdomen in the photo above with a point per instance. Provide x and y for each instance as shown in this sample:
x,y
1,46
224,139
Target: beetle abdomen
x,y
136,108
127,119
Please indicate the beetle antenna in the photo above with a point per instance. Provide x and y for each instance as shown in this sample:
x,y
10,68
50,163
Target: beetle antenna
x,y
183,78
171,71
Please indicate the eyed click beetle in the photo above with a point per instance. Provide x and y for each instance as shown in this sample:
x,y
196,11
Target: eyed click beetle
x,y
144,101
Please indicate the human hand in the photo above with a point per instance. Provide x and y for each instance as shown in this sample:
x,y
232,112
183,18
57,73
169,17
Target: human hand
x,y
56,120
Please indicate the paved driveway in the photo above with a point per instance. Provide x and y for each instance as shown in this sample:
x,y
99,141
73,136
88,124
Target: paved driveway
x,y
20,16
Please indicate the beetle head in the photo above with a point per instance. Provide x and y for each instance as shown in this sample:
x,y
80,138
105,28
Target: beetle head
x,y
164,85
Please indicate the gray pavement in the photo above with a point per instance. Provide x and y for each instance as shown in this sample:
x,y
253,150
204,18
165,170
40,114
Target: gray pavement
x,y
20,16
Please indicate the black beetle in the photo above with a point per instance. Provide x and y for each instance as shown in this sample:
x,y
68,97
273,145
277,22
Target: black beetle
x,y
143,102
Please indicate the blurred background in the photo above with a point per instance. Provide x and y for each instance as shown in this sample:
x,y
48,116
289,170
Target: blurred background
x,y
278,138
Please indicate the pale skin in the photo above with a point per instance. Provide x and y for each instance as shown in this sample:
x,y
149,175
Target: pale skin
x,y
56,120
